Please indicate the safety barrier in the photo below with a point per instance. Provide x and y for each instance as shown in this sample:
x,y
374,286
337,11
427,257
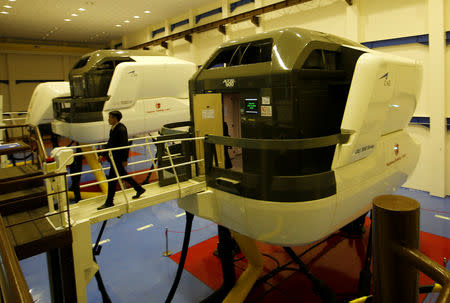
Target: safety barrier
x,y
170,158
14,288
24,139
397,258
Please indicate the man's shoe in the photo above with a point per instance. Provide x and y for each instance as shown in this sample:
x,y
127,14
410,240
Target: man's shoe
x,y
105,206
139,193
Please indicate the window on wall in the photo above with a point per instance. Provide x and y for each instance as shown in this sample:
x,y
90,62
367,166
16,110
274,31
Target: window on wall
x,y
242,54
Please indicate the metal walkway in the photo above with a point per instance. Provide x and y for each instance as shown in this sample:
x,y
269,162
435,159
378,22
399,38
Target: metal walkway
x,y
154,194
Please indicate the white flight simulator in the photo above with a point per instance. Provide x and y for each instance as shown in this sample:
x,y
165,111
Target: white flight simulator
x,y
314,126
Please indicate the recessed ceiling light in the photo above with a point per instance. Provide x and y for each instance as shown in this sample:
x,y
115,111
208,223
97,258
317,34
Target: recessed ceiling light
x,y
75,15
7,6
81,9
4,13
147,12
118,25
67,20
127,21
136,17
12,0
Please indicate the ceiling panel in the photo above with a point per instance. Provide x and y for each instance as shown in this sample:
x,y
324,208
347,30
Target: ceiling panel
x,y
44,19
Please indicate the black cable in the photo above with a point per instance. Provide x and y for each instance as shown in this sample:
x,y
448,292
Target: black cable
x,y
239,259
279,269
96,251
101,286
187,235
100,234
273,258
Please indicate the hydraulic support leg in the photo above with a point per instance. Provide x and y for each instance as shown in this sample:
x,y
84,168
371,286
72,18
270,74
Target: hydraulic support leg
x,y
224,248
92,160
319,287
248,278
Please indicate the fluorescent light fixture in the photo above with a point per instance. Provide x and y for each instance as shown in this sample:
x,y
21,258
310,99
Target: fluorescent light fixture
x,y
147,12
127,21
81,9
136,17
7,6
12,0
75,15
118,25
67,20
4,13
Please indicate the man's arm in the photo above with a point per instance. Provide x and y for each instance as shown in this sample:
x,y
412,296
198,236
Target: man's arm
x,y
123,141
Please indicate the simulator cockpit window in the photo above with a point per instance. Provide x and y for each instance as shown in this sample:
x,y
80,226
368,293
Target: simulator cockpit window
x,y
107,65
242,54
321,59
81,63
223,58
258,51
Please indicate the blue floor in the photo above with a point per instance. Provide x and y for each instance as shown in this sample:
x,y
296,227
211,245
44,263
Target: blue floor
x,y
131,261
434,211
134,270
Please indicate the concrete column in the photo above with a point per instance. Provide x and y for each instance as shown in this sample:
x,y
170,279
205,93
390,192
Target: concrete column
x,y
169,50
226,14
66,67
437,96
192,46
352,27
260,28
125,42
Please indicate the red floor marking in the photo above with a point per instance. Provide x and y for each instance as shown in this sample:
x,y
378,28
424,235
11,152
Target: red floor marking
x,y
337,261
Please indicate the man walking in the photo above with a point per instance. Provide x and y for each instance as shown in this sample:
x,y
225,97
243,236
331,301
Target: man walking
x,y
118,136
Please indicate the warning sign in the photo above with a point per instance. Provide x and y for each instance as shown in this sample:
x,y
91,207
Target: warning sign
x,y
266,111
208,114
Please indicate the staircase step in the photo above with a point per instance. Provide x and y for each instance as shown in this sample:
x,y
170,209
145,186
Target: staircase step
x,y
22,200
16,173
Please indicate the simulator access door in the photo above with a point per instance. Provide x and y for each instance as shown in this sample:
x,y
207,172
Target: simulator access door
x,y
208,119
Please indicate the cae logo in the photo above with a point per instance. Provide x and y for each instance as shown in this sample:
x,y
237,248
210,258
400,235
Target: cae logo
x,y
387,81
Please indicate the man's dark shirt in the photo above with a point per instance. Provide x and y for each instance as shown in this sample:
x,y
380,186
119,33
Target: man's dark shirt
x,y
118,136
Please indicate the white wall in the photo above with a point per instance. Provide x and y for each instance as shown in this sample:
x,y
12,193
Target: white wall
x,y
366,20
30,66
385,19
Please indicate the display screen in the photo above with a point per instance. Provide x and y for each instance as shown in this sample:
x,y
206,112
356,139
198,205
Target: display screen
x,y
251,106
